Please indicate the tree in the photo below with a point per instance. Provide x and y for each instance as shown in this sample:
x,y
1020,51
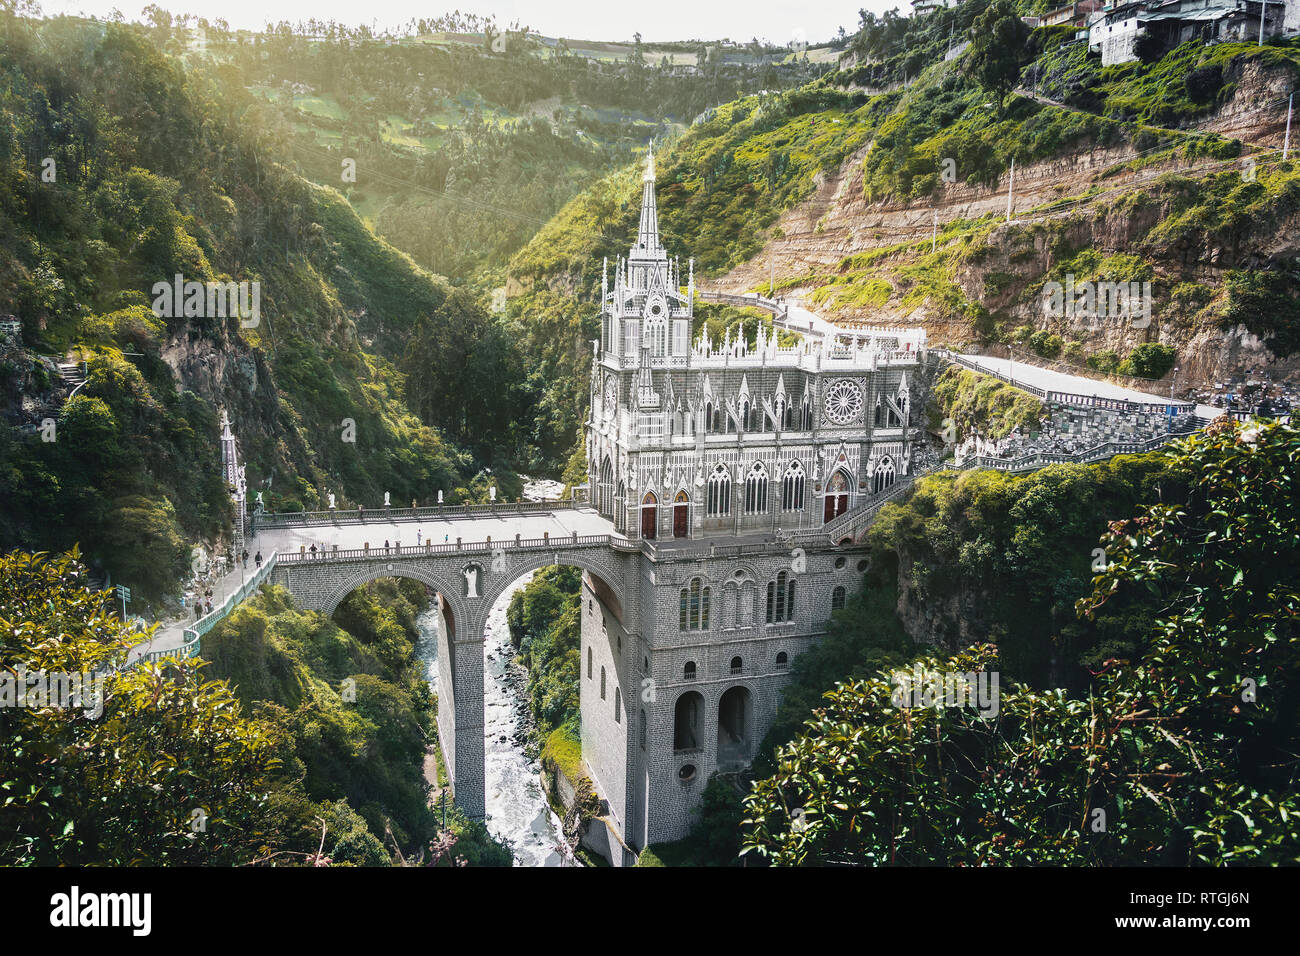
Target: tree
x,y
997,49
1187,756
172,772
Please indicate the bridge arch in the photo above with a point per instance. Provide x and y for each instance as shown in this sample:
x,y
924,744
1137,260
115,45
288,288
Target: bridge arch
x,y
446,587
502,582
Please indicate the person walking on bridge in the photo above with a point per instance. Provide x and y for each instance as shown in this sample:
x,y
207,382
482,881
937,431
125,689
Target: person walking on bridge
x,y
244,557
258,558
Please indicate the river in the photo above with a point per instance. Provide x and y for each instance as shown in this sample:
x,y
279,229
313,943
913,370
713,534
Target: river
x,y
517,810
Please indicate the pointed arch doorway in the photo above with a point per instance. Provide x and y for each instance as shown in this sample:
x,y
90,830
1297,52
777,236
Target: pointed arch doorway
x,y
649,514
681,515
837,496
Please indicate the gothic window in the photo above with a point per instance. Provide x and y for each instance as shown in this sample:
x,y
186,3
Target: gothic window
x,y
633,337
807,416
618,706
719,500
688,672
756,490
693,606
884,476
606,488
792,485
718,421
602,682
589,663
782,660
756,418
681,329
737,665
656,335
780,599
837,598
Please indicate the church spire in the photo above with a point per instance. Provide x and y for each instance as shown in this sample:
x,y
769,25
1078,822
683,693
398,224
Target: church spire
x,y
647,240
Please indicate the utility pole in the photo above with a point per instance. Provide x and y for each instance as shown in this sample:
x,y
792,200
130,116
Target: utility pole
x,y
1010,185
1286,143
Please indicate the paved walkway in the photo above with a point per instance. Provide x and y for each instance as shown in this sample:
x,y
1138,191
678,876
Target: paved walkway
x,y
1050,380
558,524
170,635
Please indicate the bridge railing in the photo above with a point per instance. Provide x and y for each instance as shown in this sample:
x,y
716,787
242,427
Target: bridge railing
x,y
300,519
517,543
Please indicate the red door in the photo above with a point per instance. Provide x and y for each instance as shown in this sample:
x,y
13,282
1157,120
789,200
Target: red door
x,y
649,514
681,520
829,511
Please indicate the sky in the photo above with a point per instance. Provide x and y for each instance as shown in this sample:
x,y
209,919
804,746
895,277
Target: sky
x,y
779,21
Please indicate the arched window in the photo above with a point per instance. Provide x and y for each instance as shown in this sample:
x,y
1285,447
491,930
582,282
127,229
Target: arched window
x,y
884,476
589,663
782,660
837,598
737,665
745,605
618,706
719,501
605,491
686,721
693,606
688,672
780,599
756,418
807,415
756,490
602,681
792,484
708,417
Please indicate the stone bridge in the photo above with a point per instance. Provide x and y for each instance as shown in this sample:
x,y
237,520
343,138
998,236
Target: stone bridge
x,y
470,557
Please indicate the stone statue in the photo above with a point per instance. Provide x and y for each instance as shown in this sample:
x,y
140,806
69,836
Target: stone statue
x,y
331,496
386,504
439,497
471,581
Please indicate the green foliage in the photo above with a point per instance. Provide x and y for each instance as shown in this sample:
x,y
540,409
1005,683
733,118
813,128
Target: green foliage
x,y
1267,302
971,400
350,700
1149,360
997,49
545,621
1189,752
119,789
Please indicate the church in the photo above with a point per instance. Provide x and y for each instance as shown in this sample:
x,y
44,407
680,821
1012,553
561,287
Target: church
x,y
709,458
689,438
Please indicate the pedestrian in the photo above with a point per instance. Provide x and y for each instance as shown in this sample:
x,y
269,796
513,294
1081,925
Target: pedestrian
x,y
418,535
313,549
244,557
258,559
385,546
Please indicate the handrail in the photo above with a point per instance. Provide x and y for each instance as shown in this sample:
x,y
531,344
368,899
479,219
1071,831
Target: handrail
x,y
293,519
544,543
